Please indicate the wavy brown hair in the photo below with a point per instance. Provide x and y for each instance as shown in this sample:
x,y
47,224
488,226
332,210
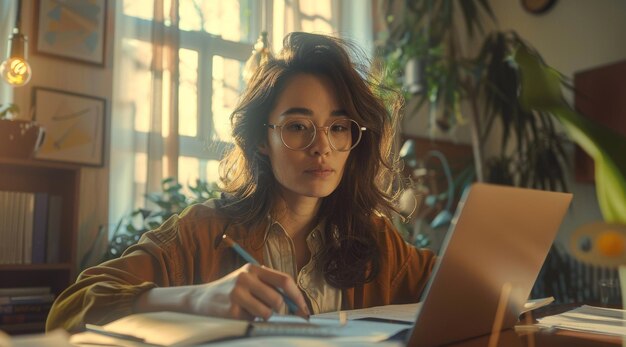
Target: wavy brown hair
x,y
351,255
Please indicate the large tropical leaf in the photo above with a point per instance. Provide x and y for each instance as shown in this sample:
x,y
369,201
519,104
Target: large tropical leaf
x,y
541,90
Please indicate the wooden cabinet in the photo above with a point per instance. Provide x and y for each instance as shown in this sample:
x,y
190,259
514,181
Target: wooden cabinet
x,y
54,179
601,96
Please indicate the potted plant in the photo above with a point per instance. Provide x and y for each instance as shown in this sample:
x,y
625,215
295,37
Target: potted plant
x,y
18,138
171,200
422,52
506,82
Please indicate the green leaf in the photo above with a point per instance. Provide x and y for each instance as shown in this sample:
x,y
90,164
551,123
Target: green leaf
x,y
9,111
541,90
167,180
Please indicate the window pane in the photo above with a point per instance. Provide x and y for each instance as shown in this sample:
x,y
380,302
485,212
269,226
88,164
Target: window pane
x,y
188,172
136,91
166,90
139,8
228,19
141,173
317,16
212,174
227,85
188,93
144,9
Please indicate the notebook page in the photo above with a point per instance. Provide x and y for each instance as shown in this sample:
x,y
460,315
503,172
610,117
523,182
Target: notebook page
x,y
171,328
404,313
357,330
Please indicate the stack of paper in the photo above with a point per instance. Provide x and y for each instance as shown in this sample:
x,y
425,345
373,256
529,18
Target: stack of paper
x,y
599,320
408,312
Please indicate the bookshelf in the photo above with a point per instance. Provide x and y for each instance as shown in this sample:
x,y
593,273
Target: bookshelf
x,y
55,179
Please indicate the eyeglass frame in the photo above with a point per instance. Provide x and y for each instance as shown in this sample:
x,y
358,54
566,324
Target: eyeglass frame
x,y
315,127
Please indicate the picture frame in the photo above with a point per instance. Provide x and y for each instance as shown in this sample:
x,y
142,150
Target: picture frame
x,y
72,29
74,125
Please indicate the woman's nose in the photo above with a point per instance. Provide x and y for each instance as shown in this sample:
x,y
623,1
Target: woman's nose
x,y
321,143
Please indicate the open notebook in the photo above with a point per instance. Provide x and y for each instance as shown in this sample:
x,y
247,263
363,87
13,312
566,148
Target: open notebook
x,y
180,329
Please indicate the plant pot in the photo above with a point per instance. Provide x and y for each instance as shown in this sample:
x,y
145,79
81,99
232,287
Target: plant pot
x,y
20,138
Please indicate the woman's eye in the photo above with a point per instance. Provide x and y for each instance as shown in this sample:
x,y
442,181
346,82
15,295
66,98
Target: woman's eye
x,y
338,128
296,126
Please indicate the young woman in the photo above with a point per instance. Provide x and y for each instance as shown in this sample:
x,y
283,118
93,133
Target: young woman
x,y
307,193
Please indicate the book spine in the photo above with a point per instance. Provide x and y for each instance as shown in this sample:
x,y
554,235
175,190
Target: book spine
x,y
24,291
40,222
55,207
17,228
9,234
4,227
27,227
43,307
28,299
18,318
23,328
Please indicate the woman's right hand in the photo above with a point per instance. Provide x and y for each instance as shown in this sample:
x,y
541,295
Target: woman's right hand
x,y
246,293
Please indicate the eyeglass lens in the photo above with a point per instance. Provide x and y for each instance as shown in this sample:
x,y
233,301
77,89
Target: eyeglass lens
x,y
343,134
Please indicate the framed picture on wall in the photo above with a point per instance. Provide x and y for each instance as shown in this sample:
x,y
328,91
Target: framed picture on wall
x,y
71,29
74,125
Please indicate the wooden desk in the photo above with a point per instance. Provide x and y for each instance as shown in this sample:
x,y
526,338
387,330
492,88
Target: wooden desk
x,y
545,337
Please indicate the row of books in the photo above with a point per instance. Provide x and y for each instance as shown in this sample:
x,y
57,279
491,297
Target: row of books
x,y
30,226
24,309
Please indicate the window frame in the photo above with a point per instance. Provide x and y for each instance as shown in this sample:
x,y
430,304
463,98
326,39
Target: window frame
x,y
206,46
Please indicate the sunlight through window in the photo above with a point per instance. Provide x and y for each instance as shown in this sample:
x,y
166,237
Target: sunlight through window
x,y
212,173
188,172
188,93
138,88
316,16
215,40
227,85
227,19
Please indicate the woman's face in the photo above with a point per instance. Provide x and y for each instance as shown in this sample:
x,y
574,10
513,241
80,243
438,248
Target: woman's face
x,y
317,170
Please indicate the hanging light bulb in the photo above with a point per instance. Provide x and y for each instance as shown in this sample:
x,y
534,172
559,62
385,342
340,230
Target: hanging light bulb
x,y
260,55
15,69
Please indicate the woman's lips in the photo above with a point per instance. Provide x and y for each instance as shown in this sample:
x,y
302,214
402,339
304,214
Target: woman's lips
x,y
321,173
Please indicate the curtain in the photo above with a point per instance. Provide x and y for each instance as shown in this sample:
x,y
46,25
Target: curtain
x,y
322,16
144,136
163,159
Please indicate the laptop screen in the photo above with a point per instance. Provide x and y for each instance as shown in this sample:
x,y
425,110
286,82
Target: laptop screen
x,y
493,252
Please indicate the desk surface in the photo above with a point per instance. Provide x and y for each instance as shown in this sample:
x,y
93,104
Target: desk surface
x,y
530,336
554,338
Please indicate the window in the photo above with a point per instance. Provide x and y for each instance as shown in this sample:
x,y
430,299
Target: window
x,y
215,40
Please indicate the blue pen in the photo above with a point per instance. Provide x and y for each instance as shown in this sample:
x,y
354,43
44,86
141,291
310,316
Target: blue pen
x,y
247,257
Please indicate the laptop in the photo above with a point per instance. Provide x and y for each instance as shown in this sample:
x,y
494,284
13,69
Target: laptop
x,y
498,240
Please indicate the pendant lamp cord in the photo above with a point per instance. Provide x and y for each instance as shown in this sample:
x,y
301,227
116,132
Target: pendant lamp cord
x,y
18,14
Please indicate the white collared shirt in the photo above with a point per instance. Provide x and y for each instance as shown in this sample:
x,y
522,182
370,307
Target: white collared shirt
x,y
279,254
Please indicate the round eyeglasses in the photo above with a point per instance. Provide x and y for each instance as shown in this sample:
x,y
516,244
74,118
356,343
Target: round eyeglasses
x,y
299,133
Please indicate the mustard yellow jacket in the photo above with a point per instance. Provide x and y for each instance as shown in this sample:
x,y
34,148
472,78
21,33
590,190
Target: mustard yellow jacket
x,y
186,250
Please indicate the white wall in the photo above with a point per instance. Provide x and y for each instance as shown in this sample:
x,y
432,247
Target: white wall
x,y
84,79
573,35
